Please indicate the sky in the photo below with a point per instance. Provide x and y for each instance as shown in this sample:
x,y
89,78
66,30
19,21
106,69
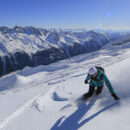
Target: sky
x,y
88,14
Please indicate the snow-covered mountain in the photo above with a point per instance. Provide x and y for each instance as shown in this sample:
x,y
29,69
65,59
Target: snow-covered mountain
x,y
44,97
30,46
31,40
120,42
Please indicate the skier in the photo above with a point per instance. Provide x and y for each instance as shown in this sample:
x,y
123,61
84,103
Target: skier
x,y
96,78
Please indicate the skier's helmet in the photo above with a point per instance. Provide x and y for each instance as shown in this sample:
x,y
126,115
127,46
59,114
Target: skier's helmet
x,y
92,71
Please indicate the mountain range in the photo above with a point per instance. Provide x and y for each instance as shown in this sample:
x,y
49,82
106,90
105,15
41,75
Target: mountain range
x,y
30,46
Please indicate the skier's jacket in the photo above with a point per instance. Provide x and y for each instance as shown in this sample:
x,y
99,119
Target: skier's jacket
x,y
99,80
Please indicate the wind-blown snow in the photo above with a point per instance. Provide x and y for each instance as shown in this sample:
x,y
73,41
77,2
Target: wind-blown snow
x,y
44,97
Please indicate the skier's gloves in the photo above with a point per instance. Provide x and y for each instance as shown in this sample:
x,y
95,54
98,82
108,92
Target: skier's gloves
x,y
115,96
86,82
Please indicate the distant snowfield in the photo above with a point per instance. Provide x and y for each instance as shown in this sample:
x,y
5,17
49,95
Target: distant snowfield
x,y
44,97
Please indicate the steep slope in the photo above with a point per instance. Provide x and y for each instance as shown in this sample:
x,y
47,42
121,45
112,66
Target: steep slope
x,y
44,97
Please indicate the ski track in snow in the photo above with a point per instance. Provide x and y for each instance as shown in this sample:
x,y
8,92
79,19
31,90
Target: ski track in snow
x,y
70,73
5,121
19,111
61,76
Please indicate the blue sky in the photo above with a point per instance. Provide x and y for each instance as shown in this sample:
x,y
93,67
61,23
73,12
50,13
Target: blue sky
x,y
89,14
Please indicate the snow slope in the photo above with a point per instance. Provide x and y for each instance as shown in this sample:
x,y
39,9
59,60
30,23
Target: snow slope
x,y
44,97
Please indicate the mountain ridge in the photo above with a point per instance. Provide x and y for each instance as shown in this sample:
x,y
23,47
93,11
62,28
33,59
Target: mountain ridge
x,y
30,46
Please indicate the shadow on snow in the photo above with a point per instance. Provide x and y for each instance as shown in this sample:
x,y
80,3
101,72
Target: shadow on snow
x,y
72,122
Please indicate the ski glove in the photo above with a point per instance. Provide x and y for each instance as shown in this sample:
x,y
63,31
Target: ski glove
x,y
115,96
86,82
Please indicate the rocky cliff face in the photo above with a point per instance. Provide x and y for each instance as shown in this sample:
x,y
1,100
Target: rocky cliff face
x,y
19,60
29,46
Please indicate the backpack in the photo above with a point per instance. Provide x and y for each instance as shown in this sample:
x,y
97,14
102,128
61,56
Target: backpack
x,y
101,68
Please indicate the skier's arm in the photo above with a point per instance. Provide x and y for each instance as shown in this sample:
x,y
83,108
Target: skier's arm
x,y
87,78
108,84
